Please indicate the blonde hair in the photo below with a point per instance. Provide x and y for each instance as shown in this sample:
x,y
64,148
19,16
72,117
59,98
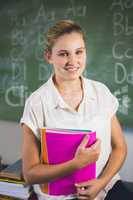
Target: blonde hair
x,y
60,28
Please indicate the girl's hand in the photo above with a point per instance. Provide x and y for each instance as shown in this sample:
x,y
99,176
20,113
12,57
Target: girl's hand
x,y
86,155
89,190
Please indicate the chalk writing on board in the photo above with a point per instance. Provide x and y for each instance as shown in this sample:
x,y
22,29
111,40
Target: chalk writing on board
x,y
22,64
18,66
122,24
41,35
16,54
15,20
19,91
19,70
123,98
16,92
17,37
122,75
119,4
79,11
44,15
122,52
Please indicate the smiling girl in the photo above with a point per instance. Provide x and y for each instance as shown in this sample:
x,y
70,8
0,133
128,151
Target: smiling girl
x,y
69,100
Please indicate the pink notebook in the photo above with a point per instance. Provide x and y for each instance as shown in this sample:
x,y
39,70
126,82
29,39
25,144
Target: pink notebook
x,y
58,146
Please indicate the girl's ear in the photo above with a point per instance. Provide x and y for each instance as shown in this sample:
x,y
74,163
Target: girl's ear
x,y
47,56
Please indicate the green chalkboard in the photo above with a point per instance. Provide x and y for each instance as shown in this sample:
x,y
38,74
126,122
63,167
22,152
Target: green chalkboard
x,y
109,33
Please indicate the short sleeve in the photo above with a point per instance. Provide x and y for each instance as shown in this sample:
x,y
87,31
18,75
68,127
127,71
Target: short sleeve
x,y
110,102
32,116
107,102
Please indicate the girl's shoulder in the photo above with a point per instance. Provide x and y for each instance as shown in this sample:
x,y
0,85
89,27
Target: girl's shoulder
x,y
40,93
97,86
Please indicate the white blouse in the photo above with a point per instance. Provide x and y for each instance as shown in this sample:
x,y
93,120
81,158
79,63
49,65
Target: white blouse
x,y
46,107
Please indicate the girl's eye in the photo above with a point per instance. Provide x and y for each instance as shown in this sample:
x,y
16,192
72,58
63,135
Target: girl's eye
x,y
63,54
79,52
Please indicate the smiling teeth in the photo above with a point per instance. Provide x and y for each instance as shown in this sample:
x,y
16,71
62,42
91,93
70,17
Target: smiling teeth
x,y
72,69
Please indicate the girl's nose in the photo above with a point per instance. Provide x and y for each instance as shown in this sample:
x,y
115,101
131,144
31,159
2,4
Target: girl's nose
x,y
72,59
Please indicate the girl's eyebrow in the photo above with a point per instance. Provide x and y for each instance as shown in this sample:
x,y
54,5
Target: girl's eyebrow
x,y
81,48
62,50
65,50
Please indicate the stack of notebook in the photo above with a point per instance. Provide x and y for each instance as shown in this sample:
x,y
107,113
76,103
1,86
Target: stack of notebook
x,y
60,145
12,183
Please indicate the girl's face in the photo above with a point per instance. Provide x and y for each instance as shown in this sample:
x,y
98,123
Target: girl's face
x,y
68,56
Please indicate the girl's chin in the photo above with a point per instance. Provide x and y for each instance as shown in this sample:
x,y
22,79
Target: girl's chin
x,y
72,76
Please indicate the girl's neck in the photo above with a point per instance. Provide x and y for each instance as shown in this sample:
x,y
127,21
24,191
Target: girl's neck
x,y
68,85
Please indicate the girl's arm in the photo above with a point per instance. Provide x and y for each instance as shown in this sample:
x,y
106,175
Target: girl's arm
x,y
115,161
35,172
119,152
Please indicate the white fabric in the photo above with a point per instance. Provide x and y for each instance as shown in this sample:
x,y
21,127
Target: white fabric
x,y
46,107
